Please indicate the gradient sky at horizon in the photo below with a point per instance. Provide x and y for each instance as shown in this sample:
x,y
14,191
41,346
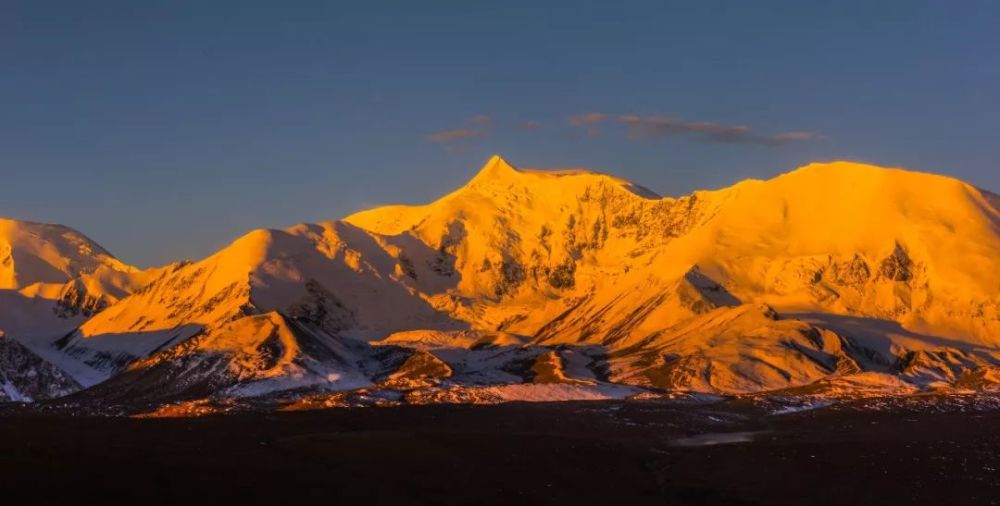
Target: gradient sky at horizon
x,y
163,130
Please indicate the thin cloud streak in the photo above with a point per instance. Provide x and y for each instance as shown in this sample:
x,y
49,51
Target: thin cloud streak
x,y
637,128
797,136
478,127
586,119
481,120
660,127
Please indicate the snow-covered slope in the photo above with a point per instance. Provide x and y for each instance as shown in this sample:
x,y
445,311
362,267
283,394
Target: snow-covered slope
x,y
835,274
899,264
42,262
841,237
40,253
916,248
52,279
301,293
524,247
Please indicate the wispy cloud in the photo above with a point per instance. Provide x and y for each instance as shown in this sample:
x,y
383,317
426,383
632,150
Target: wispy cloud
x,y
589,122
478,127
659,127
587,119
481,120
797,136
637,128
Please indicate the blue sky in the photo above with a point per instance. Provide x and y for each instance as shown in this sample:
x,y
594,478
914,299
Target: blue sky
x,y
163,130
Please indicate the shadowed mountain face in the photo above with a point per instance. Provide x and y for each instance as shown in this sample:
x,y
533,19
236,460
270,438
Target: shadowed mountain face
x,y
526,284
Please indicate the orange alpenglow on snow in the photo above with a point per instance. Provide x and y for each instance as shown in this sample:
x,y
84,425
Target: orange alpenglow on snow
x,y
527,284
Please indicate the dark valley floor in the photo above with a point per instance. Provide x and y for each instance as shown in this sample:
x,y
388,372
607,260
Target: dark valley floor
x,y
562,453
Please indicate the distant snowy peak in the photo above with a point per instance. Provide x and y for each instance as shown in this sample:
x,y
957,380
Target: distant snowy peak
x,y
42,253
52,279
52,276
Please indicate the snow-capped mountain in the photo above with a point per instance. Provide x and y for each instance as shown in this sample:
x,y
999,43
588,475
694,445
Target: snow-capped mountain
x,y
33,253
572,284
52,278
54,263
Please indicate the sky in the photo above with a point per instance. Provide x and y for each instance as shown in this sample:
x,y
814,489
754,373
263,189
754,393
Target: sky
x,y
165,129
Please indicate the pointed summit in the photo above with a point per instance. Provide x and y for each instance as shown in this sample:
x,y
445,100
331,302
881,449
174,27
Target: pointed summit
x,y
499,174
496,169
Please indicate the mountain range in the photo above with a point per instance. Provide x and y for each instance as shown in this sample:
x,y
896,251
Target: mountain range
x,y
834,279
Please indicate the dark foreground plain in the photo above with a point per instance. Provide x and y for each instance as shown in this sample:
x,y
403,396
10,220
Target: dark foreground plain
x,y
561,453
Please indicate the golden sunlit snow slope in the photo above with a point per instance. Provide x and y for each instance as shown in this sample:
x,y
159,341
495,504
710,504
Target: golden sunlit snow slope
x,y
264,309
52,277
839,237
524,246
917,248
831,271
52,262
41,253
